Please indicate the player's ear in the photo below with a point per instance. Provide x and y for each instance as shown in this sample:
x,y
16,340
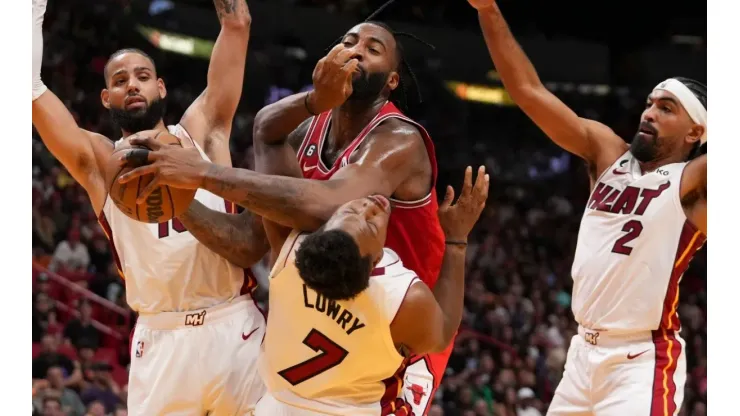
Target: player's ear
x,y
393,80
695,133
162,89
105,98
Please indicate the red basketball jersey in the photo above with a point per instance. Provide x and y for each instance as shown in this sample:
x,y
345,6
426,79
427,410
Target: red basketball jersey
x,y
413,230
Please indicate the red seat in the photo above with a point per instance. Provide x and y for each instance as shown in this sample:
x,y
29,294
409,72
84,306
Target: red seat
x,y
68,350
120,375
35,349
107,355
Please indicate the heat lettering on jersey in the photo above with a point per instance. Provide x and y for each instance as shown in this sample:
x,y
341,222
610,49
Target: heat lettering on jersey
x,y
608,199
331,308
629,201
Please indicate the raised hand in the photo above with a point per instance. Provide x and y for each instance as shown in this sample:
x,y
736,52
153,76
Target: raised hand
x,y
481,4
458,220
332,80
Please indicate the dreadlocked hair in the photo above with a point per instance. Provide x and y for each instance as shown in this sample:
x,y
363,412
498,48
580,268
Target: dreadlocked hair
x,y
408,84
700,92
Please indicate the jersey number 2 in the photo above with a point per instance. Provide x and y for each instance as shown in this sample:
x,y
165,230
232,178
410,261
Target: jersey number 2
x,y
633,228
330,356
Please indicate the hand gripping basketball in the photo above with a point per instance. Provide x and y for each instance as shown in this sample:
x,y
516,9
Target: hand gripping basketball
x,y
332,79
458,220
171,165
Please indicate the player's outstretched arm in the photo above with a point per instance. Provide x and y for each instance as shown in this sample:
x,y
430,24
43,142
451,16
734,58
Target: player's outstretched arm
x,y
393,154
239,238
592,141
209,118
442,309
694,192
75,148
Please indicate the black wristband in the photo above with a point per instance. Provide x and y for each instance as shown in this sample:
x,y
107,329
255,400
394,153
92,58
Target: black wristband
x,y
456,243
305,103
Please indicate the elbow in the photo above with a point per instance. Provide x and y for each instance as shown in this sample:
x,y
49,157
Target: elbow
x,y
525,93
260,129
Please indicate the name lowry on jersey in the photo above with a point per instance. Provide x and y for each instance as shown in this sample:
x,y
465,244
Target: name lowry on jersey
x,y
331,308
630,200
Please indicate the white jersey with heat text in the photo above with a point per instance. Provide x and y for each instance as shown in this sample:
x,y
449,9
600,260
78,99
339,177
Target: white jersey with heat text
x,y
634,245
334,357
166,269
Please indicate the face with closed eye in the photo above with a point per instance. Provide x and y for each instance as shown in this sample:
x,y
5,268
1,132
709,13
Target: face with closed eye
x,y
376,52
366,220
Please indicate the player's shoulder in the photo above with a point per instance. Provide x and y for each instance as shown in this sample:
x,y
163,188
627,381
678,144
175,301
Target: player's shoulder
x,y
390,269
395,135
606,147
399,126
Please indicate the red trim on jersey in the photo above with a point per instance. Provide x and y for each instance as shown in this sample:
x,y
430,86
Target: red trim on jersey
x,y
103,221
411,204
690,241
381,270
390,403
307,137
667,352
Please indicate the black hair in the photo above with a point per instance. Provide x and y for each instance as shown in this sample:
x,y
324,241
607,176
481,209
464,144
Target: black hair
x,y
120,52
408,84
700,92
330,263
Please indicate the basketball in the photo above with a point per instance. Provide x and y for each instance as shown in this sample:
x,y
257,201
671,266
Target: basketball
x,y
163,204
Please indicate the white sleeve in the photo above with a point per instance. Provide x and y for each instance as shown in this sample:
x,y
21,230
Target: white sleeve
x,y
37,86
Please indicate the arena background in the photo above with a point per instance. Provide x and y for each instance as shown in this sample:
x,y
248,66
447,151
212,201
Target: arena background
x,y
601,59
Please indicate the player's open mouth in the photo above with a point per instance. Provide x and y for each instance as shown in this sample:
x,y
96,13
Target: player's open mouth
x,y
646,130
381,201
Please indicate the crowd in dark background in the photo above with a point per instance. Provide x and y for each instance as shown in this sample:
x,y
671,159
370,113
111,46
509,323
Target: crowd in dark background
x,y
517,322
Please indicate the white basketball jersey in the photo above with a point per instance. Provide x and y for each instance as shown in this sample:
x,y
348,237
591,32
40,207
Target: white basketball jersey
x,y
165,268
333,357
634,245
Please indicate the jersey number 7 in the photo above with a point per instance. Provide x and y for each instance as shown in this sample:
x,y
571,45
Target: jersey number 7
x,y
330,356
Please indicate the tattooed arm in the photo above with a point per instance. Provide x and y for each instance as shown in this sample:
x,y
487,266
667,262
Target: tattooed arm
x,y
239,238
208,120
393,154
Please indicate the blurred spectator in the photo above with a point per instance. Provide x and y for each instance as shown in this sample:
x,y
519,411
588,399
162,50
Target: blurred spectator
x,y
50,357
102,390
70,401
42,308
70,254
80,331
53,406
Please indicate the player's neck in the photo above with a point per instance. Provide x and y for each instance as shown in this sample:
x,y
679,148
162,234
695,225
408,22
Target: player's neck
x,y
160,126
348,120
646,167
